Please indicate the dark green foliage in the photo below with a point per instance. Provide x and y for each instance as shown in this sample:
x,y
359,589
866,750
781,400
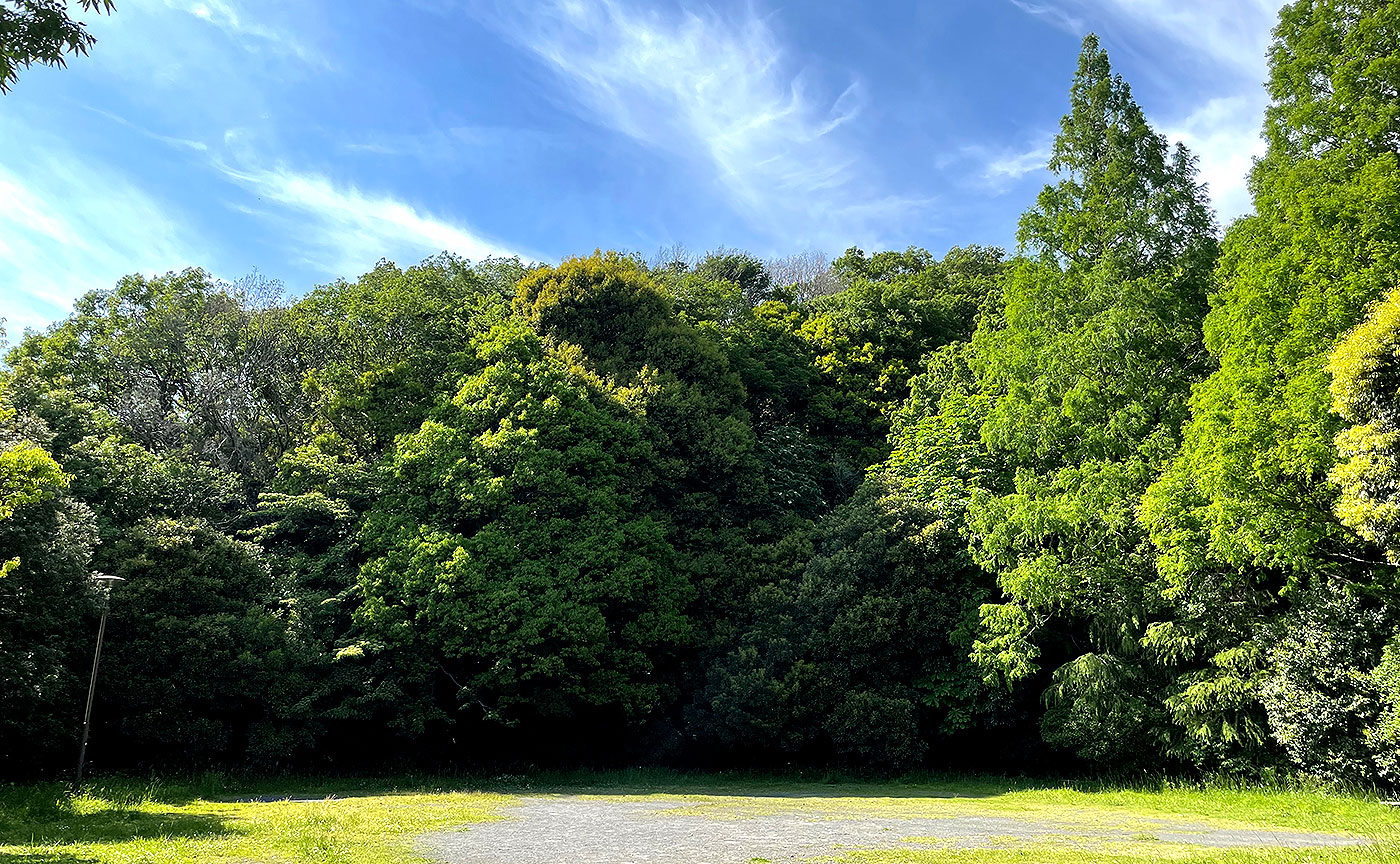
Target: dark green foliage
x,y
870,338
171,403
513,556
178,364
198,648
861,653
1383,733
46,545
745,272
42,31
1319,694
663,366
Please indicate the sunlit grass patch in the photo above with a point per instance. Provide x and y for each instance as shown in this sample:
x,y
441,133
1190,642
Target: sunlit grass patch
x,y
156,827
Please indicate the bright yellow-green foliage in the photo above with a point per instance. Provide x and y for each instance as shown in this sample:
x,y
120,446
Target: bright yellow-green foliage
x,y
1364,377
116,827
28,474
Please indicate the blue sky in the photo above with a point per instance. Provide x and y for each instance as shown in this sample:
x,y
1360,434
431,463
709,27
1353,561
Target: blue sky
x,y
306,140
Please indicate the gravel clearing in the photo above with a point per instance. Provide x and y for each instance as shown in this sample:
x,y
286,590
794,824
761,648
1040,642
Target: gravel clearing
x,y
568,829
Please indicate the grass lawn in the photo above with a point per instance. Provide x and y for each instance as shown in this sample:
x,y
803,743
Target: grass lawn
x,y
376,821
122,822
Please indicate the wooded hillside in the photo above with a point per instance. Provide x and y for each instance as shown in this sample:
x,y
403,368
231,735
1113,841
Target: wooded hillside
x,y
1126,499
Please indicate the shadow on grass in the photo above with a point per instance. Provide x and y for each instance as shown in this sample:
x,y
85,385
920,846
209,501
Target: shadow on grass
x,y
626,782
801,785
243,789
631,781
320,789
109,825
43,858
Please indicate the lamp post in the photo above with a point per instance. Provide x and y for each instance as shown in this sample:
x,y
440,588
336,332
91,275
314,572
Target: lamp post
x,y
106,582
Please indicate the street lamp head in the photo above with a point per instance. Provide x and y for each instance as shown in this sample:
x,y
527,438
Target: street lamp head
x,y
103,577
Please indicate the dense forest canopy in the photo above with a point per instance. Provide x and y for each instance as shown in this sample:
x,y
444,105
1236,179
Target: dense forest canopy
x,y
1126,499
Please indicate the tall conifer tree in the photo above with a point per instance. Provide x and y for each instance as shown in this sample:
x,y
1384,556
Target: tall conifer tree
x,y
1099,344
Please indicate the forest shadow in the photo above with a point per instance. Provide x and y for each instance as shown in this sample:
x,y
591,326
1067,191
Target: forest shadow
x,y
721,790
624,783
108,825
646,782
718,790
641,781
621,782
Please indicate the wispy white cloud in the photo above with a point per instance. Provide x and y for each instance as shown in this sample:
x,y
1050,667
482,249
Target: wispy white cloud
x,y
1230,33
172,140
1234,34
77,217
248,30
70,225
448,147
1002,169
1056,15
720,92
341,230
995,170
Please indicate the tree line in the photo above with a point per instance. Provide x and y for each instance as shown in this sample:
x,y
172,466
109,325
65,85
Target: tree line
x,y
1125,500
